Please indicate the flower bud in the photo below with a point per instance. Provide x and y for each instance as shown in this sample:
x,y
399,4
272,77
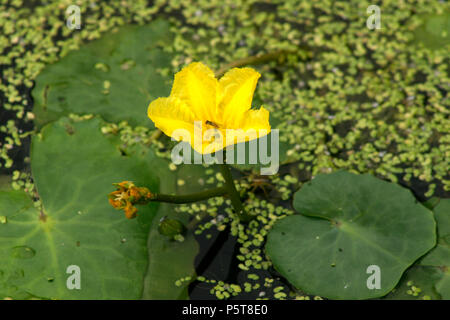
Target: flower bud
x,y
127,195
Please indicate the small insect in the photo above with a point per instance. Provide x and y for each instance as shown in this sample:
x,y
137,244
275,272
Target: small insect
x,y
212,124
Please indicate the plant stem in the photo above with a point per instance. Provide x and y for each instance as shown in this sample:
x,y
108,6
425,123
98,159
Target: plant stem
x,y
188,198
252,60
233,194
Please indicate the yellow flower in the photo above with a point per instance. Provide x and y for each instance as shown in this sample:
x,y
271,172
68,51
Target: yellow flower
x,y
200,104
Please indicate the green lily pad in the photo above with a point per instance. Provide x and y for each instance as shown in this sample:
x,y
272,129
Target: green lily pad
x,y
439,257
170,260
74,167
115,77
348,223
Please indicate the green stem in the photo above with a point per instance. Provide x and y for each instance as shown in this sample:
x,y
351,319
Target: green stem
x,y
233,194
188,198
253,60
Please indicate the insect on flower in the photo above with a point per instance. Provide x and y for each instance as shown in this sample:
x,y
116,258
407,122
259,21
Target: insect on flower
x,y
212,124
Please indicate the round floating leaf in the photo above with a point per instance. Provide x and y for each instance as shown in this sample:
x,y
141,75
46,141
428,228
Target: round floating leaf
x,y
171,260
115,77
348,223
74,167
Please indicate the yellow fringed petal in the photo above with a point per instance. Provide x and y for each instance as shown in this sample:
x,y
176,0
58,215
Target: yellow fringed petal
x,y
254,124
237,87
197,87
256,119
170,114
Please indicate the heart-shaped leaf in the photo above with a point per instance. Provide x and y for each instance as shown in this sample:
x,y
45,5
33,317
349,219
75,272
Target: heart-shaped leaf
x,y
352,231
73,166
171,260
